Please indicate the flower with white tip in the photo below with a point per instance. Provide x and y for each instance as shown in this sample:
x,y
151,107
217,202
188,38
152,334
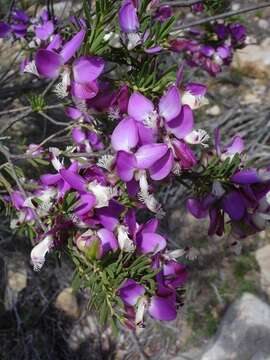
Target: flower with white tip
x,y
103,194
106,162
124,241
199,137
61,89
140,310
31,68
39,252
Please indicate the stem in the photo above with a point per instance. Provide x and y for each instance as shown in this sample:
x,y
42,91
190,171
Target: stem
x,y
178,3
222,16
15,177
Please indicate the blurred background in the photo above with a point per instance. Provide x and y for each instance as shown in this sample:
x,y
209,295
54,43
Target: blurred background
x,y
224,312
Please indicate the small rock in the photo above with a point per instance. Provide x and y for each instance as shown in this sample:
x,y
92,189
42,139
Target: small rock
x,y
263,24
254,60
235,7
16,281
243,334
66,301
214,111
263,258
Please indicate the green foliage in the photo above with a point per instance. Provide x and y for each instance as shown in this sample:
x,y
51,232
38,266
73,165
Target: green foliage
x,y
37,102
106,10
103,277
216,170
216,6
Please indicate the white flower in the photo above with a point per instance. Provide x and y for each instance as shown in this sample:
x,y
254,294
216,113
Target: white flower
x,y
124,241
134,40
39,252
102,193
106,162
199,136
194,101
31,68
151,119
175,254
113,39
61,89
141,306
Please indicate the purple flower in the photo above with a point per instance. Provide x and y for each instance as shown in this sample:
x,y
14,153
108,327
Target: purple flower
x,y
86,70
130,292
4,29
49,63
128,19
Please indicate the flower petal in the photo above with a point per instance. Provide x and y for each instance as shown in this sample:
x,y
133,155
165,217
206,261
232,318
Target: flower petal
x,y
183,124
50,179
48,63
128,19
148,154
162,167
170,104
130,292
108,240
74,180
87,68
139,107
125,135
84,91
246,177
234,205
163,308
44,31
196,208
70,48
149,242
125,165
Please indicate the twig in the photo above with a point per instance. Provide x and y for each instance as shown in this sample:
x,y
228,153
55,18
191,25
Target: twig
x,y
6,112
6,153
55,122
18,118
221,16
11,6
176,3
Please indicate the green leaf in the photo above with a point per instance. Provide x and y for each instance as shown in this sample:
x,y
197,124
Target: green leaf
x,y
104,313
92,252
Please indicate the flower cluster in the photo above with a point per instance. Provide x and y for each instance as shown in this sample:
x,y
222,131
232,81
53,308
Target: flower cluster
x,y
131,128
211,48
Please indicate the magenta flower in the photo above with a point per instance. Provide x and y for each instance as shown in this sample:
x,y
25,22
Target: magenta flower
x,y
86,70
4,29
128,19
49,63
130,292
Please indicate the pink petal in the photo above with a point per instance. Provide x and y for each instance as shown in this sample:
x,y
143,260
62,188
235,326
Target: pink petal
x,y
70,48
87,68
84,91
48,63
74,180
151,243
139,107
125,135
125,165
148,154
170,104
183,124
163,308
162,167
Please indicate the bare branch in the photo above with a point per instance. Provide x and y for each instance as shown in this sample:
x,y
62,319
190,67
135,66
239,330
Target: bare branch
x,y
49,118
179,3
6,153
222,16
